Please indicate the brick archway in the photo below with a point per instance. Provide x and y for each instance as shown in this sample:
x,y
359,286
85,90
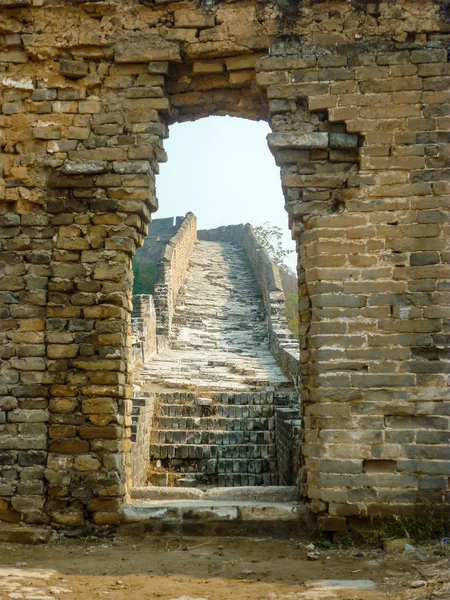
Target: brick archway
x,y
357,100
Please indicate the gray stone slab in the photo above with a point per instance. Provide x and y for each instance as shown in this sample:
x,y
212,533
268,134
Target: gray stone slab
x,y
288,140
254,493
339,584
166,493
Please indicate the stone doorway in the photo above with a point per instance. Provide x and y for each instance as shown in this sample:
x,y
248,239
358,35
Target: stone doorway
x,y
357,98
211,402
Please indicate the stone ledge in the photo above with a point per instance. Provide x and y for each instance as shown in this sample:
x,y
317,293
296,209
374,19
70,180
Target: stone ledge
x,y
236,494
20,534
197,517
212,510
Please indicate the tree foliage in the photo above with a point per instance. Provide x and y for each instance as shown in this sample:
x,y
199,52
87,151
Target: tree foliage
x,y
145,277
270,237
292,312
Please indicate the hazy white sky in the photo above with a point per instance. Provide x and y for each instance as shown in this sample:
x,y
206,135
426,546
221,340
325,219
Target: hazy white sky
x,y
221,169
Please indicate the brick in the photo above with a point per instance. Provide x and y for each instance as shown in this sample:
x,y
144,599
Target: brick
x,y
69,446
73,69
196,20
50,132
146,49
288,140
428,56
390,85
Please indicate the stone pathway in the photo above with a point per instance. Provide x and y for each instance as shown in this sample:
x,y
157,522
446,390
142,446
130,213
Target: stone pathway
x,y
219,339
18,583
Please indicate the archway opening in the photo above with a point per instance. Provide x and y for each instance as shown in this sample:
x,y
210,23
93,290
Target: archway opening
x,y
215,399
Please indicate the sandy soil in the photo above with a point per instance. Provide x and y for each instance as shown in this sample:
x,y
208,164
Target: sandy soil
x,y
200,568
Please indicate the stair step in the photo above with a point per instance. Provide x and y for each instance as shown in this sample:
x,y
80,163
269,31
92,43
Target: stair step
x,y
209,451
234,399
234,412
219,438
219,343
214,517
248,493
215,424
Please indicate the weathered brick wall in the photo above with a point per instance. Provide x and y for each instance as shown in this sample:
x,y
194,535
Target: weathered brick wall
x,y
143,329
146,259
142,419
288,442
173,269
358,104
367,191
283,343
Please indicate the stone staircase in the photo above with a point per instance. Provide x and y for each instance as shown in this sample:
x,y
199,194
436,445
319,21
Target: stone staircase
x,y
227,440
215,389
219,338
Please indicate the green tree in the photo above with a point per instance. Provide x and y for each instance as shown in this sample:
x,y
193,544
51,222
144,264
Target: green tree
x,y
271,239
145,277
291,301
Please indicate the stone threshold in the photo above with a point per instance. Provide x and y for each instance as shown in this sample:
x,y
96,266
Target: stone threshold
x,y
273,511
275,493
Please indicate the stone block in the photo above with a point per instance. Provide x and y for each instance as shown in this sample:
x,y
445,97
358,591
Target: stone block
x,y
27,416
131,166
43,94
343,140
145,48
73,69
428,56
69,446
202,67
27,503
15,3
14,56
101,433
297,141
103,518
68,518
47,132
193,19
84,168
99,406
55,351
87,463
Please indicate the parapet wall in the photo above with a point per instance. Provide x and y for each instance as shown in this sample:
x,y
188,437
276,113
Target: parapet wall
x,y
282,342
288,438
143,328
141,425
152,314
173,268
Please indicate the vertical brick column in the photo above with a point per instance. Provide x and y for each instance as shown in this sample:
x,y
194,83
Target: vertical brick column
x,y
102,199
364,177
25,245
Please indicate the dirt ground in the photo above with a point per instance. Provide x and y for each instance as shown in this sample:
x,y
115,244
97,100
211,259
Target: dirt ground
x,y
213,569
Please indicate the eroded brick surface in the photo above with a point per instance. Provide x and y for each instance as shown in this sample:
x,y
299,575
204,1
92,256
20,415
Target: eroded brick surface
x,y
357,98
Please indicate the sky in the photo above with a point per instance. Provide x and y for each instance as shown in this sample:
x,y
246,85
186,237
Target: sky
x,y
221,169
